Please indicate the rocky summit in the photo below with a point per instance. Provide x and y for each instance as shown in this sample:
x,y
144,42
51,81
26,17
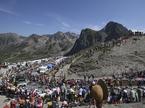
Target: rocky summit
x,y
88,37
115,30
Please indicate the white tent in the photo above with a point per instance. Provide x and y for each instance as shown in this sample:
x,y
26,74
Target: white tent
x,y
43,69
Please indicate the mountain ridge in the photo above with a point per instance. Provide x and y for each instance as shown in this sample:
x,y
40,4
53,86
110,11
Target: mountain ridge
x,y
14,46
89,37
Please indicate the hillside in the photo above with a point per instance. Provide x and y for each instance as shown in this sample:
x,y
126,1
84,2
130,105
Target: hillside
x,y
112,50
108,60
14,47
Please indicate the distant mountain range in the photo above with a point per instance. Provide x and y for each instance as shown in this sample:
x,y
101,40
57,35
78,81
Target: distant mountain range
x,y
14,47
89,37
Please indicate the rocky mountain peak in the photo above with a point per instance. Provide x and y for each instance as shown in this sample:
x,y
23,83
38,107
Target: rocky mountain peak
x,y
115,30
89,37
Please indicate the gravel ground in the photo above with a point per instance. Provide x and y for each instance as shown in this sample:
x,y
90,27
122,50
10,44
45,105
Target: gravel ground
x,y
119,59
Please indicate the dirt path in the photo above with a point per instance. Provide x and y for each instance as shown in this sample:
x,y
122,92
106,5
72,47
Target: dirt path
x,y
64,70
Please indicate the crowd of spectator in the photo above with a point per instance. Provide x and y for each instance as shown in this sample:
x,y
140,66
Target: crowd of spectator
x,y
41,90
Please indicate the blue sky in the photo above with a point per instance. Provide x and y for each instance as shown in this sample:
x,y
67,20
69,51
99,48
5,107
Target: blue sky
x,y
49,16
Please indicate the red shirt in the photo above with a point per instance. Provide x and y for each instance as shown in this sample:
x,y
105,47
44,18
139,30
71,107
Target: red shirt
x,y
6,106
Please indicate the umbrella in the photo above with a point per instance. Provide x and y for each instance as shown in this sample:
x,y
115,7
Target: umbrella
x,y
50,66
